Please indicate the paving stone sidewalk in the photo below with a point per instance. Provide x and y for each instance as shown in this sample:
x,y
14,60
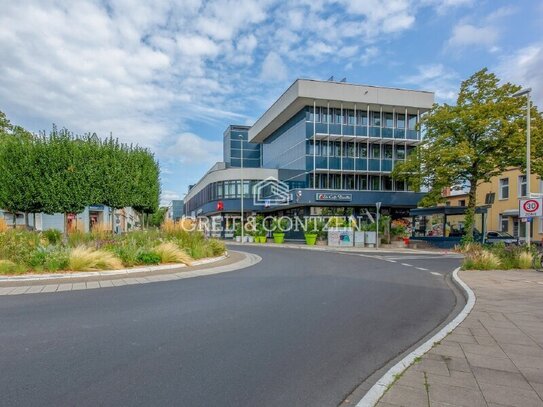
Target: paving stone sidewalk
x,y
494,358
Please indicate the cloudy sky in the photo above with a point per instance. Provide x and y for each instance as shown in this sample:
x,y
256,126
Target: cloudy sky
x,y
172,75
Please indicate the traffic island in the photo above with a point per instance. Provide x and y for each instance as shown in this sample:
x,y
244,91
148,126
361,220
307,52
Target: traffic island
x,y
34,284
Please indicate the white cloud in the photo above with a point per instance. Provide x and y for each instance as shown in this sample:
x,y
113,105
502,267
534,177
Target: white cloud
x,y
524,68
465,35
190,148
273,68
435,77
167,196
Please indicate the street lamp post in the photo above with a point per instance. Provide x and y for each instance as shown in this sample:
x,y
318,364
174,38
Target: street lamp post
x,y
242,191
520,93
378,206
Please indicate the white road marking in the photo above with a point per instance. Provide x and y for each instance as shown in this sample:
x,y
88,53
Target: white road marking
x,y
407,265
391,261
435,274
421,268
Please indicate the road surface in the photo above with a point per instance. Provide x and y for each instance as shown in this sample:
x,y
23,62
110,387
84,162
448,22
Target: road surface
x,y
300,328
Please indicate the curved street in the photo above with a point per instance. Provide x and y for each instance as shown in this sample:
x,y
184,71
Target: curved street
x,y
300,328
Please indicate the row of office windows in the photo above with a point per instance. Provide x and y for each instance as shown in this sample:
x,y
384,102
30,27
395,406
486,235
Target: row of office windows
x,y
229,190
356,182
349,118
357,150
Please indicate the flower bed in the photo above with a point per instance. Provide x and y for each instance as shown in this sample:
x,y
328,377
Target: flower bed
x,y
34,252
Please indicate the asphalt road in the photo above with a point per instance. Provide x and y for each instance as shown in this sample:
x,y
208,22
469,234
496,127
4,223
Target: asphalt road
x,y
301,328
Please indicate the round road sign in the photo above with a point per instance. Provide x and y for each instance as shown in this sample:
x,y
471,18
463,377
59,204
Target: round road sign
x,y
531,205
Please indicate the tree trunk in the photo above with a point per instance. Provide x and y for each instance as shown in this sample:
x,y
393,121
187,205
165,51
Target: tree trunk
x,y
27,226
470,213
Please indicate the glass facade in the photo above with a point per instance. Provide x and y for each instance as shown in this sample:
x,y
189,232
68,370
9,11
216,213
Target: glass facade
x,y
234,138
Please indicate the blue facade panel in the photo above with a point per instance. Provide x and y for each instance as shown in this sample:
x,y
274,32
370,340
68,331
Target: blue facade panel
x,y
286,147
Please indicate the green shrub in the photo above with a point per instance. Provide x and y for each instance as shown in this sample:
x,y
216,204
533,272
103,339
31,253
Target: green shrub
x,y
148,257
53,236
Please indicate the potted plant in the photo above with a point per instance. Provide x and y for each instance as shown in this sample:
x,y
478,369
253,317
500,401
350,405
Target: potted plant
x,y
237,233
278,228
312,232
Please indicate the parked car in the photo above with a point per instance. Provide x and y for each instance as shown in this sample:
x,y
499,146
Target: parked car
x,y
495,237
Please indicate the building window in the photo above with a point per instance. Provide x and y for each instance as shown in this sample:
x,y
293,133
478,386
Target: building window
x,y
504,188
350,150
462,202
362,150
337,114
389,120
318,117
400,152
400,121
387,183
412,121
375,151
375,183
362,118
387,153
376,119
504,223
522,186
350,114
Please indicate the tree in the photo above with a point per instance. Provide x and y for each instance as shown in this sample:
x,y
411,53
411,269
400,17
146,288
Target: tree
x,y
467,144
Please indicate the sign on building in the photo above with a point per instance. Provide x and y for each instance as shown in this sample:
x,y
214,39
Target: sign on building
x,y
530,207
334,197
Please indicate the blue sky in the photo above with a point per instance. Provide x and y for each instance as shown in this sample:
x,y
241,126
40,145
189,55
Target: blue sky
x,y
172,75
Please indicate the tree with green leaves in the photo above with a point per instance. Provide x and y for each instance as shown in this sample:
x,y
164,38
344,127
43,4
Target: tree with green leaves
x,y
63,173
466,144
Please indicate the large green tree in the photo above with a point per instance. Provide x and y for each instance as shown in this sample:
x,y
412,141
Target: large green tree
x,y
468,143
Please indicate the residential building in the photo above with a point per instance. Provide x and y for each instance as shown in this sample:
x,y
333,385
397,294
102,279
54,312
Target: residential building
x,y
502,194
334,145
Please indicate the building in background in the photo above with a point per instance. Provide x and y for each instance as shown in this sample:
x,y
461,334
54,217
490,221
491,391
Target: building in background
x,y
124,219
334,144
175,210
502,194
234,137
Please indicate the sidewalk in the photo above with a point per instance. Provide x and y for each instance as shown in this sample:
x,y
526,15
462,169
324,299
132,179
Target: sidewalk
x,y
494,358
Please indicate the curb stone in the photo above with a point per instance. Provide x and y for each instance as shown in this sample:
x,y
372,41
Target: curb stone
x,y
375,393
248,260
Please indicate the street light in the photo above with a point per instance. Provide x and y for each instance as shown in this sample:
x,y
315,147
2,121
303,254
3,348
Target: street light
x,y
521,93
242,194
378,206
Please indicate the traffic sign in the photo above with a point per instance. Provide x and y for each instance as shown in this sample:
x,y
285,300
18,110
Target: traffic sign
x,y
530,208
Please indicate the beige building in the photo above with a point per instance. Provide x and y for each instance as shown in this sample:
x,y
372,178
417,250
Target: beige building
x,y
502,194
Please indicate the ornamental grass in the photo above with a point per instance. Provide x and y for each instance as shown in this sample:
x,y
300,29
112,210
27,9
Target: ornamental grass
x,y
169,252
87,259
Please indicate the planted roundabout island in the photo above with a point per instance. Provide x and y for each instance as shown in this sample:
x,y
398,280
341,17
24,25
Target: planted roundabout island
x,y
32,252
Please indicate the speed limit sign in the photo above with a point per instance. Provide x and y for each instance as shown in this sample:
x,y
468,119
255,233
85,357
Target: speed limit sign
x,y
530,208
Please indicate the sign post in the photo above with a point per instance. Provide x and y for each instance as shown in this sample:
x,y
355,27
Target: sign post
x,y
530,208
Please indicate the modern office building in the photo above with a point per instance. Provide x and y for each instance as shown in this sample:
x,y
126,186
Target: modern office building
x,y
333,144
